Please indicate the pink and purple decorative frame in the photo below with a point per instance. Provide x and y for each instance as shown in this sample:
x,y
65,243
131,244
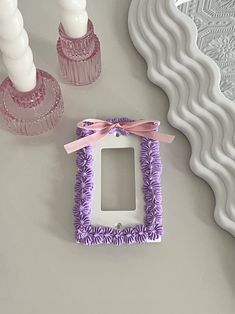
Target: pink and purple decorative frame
x,y
151,167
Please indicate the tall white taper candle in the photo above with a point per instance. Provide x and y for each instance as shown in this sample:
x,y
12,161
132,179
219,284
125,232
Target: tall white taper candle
x,y
14,44
74,17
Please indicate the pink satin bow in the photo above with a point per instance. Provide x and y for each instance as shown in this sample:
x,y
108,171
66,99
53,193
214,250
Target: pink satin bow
x,y
142,128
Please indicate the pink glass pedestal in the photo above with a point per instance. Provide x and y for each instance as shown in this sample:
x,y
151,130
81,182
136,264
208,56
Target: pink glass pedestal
x,y
79,58
33,112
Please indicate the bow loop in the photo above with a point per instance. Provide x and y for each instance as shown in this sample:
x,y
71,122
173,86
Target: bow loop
x,y
142,128
117,126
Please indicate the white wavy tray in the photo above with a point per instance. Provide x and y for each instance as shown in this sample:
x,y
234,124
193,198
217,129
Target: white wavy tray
x,y
166,38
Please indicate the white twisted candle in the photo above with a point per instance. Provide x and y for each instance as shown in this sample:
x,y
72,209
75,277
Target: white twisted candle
x,y
14,44
74,17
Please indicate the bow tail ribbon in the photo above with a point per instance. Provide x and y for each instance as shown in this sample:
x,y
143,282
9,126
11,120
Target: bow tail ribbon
x,y
83,142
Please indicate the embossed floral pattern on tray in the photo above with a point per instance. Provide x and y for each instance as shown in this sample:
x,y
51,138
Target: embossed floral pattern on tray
x,y
215,21
226,3
151,167
221,47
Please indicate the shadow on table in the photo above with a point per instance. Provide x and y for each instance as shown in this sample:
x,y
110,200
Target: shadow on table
x,y
136,63
60,175
62,200
226,254
45,55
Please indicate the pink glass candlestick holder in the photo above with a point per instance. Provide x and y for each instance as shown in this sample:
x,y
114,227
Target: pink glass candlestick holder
x,y
33,112
79,58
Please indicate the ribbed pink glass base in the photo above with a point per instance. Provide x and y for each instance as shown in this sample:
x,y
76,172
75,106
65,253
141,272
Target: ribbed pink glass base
x,y
33,112
79,58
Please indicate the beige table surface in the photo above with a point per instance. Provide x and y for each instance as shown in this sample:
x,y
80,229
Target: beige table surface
x,y
42,270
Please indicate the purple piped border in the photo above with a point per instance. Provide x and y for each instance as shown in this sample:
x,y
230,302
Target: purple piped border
x,y
151,167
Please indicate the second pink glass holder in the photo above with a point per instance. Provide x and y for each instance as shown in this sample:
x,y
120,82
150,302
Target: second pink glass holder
x,y
79,58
